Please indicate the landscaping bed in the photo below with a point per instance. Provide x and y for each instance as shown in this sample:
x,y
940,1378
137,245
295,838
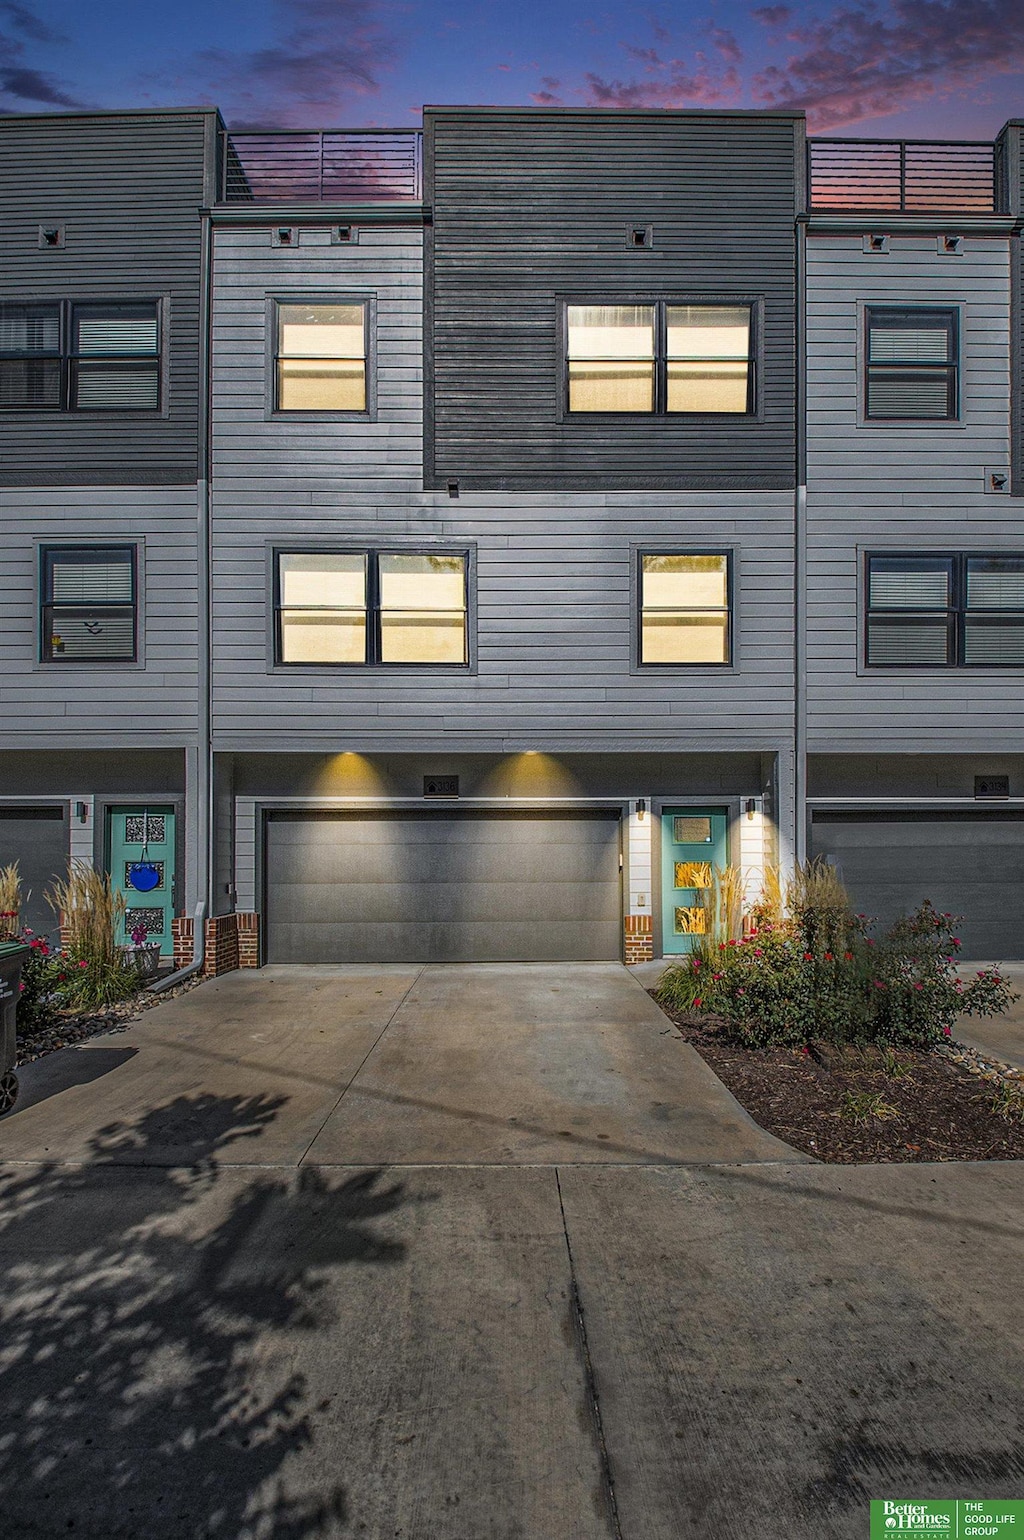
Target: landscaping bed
x,y
66,1028
825,1101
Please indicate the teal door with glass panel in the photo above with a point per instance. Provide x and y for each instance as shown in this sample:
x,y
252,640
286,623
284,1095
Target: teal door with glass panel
x,y
693,842
142,852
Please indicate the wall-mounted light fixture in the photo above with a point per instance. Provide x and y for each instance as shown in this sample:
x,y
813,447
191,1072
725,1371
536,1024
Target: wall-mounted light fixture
x,y
751,806
641,808
82,812
453,489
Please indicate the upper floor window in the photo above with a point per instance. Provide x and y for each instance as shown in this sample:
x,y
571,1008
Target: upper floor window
x,y
320,356
911,363
371,607
945,611
89,604
660,358
64,356
685,607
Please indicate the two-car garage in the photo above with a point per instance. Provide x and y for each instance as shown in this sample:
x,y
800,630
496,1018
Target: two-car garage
x,y
443,885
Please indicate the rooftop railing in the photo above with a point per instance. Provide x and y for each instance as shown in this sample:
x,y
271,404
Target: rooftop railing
x,y
327,166
902,176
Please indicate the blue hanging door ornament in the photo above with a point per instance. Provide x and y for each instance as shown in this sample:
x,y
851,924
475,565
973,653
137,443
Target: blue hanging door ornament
x,y
142,875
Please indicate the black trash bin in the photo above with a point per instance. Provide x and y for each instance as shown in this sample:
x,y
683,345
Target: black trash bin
x,y
12,956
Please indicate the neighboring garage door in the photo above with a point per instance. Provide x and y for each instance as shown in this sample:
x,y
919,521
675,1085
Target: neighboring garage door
x,y
969,864
440,886
35,837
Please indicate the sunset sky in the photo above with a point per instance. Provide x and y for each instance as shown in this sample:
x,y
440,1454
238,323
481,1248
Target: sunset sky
x,y
902,68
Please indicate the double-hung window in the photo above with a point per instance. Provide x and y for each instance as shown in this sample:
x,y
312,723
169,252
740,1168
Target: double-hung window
x,y
65,356
89,604
371,607
660,358
320,356
912,363
945,611
685,608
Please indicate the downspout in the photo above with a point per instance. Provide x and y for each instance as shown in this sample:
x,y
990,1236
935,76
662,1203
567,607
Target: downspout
x,y
800,557
205,800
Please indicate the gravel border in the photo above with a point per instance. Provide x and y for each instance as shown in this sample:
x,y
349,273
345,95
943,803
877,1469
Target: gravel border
x,y
981,1064
73,1027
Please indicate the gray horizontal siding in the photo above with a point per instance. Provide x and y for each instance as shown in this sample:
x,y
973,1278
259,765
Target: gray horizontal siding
x,y
108,703
902,487
128,190
529,207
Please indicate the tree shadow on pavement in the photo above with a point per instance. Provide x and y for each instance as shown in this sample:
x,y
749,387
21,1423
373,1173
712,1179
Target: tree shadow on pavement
x,y
145,1323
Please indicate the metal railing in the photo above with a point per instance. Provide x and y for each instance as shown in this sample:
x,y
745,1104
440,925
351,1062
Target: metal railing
x,y
326,166
903,176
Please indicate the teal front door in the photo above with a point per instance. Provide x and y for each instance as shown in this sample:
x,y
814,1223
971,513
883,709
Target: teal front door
x,y
693,841
144,834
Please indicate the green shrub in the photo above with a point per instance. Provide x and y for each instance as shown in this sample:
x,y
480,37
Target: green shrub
x,y
820,974
37,1004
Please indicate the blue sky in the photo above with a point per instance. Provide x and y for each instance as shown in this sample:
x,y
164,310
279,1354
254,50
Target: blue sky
x,y
916,68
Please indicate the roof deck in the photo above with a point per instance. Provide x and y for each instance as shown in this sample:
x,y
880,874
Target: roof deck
x,y
902,176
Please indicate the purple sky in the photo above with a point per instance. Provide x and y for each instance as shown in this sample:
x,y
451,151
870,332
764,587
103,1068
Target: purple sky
x,y
915,68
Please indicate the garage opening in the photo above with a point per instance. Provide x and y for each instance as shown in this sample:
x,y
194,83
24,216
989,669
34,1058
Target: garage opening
x,y
37,839
968,863
443,885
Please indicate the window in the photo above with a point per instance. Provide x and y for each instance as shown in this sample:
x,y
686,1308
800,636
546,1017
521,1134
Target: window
x,y
89,604
945,611
684,607
371,607
911,364
320,357
64,356
660,358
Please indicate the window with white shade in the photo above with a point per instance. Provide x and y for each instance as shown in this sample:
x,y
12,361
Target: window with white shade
x,y
912,363
321,353
936,610
65,356
89,604
685,608
660,358
371,607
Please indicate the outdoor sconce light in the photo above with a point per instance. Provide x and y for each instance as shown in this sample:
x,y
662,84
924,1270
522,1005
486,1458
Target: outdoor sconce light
x,y
453,489
751,807
641,808
82,811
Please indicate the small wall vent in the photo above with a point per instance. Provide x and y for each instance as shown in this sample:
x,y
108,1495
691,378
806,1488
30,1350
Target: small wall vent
x,y
997,481
344,235
284,235
950,245
51,237
640,237
440,786
991,788
877,244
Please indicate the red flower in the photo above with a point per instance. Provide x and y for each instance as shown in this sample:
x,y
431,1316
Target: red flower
x,y
828,956
947,1031
698,1002
732,943
808,957
848,957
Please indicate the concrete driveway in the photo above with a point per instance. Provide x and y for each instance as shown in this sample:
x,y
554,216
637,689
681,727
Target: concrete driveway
x,y
219,1319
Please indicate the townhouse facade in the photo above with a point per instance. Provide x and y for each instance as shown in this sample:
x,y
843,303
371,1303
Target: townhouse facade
x,y
449,548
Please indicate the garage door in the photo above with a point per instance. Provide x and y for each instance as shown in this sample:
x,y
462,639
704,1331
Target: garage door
x,y
37,839
442,886
969,864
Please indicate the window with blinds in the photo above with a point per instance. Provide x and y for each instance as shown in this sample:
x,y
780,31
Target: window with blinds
x,y
945,611
89,604
659,358
685,608
911,363
65,356
321,357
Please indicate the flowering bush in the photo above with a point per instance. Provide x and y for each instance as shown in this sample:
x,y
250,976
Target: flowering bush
x,y
55,981
37,1003
824,976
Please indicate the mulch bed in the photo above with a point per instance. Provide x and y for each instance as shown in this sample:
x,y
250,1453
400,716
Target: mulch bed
x,y
942,1112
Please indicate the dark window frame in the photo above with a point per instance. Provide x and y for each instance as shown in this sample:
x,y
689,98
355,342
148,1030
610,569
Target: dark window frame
x,y
641,551
957,610
48,607
951,368
335,297
661,303
68,357
372,658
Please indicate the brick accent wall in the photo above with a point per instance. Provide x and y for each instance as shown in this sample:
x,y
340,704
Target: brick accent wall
x,y
232,941
639,938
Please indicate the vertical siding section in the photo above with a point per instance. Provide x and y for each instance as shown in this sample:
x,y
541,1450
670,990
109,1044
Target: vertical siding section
x,y
531,208
127,190
554,593
103,703
901,487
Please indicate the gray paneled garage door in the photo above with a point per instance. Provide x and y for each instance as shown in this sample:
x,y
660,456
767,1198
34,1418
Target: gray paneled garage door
x,y
37,838
441,886
969,864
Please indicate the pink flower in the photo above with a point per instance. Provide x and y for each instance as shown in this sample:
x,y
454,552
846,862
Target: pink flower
x,y
694,962
741,991
758,952
718,975
83,965
947,1031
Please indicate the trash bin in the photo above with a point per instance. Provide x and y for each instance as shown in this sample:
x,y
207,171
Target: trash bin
x,y
12,956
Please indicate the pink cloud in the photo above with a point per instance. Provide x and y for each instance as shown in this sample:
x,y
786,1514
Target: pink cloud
x,y
860,62
725,42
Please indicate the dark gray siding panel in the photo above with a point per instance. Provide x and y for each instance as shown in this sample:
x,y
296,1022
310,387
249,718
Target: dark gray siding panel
x,y
127,190
531,208
969,864
443,887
